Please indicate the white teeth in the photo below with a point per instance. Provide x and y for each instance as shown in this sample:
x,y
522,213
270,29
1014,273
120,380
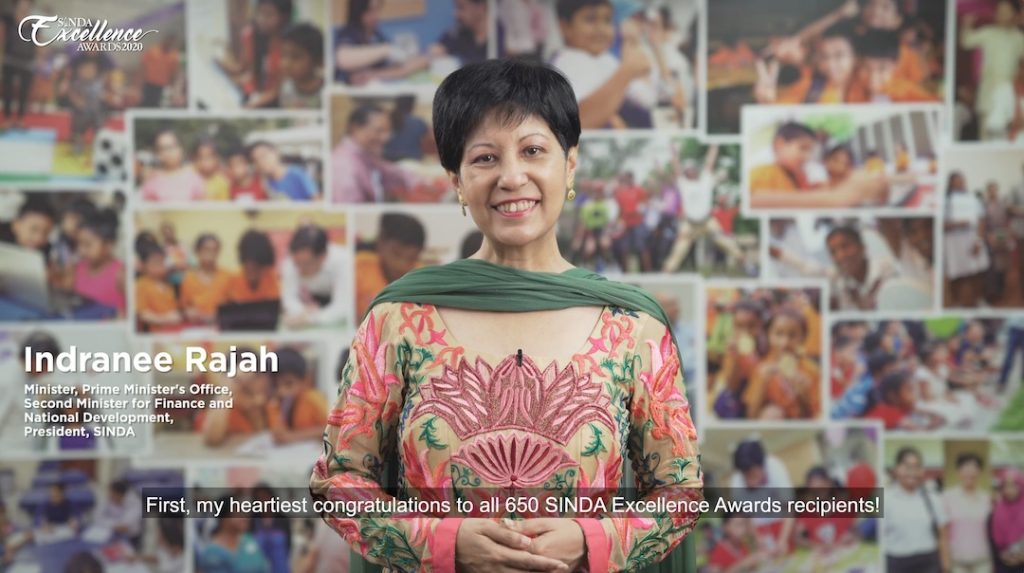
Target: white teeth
x,y
516,206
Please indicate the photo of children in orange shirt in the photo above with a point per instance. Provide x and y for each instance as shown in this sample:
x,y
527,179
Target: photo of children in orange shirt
x,y
840,157
764,353
805,51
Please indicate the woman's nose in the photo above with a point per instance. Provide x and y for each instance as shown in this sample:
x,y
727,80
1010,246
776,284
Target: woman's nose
x,y
513,175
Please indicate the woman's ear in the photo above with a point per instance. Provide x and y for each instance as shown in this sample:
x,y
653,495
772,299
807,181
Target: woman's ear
x,y
453,177
570,165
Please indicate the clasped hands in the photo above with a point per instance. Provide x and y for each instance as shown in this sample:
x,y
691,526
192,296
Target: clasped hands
x,y
538,544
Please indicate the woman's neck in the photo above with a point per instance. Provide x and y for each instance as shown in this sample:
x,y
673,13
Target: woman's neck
x,y
534,257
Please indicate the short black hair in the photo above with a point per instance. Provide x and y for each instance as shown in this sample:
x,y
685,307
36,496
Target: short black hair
x,y
104,223
906,452
311,237
283,7
80,206
403,228
847,231
892,383
819,472
965,458
842,29
791,130
204,237
119,486
879,361
840,148
510,89
308,38
146,249
290,361
878,44
361,115
255,247
566,9
40,342
37,205
749,454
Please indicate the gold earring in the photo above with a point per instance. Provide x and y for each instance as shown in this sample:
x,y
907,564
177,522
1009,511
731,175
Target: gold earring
x,y
463,203
571,195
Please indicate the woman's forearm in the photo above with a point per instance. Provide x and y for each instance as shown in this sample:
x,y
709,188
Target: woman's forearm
x,y
352,58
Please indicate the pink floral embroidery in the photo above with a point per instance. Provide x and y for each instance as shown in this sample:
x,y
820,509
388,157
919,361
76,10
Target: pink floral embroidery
x,y
667,407
371,385
553,403
417,318
429,483
517,462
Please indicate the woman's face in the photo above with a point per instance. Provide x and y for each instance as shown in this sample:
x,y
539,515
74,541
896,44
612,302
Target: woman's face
x,y
514,181
969,474
169,151
1011,491
909,472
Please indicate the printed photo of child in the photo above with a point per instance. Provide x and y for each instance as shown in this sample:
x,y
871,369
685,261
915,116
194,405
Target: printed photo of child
x,y
221,160
882,263
841,157
764,353
63,107
839,51
632,64
258,54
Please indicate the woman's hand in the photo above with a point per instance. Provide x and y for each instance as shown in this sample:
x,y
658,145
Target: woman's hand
x,y
481,545
560,538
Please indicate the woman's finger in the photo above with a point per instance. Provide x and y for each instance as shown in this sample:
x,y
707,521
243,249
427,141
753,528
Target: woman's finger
x,y
521,559
504,536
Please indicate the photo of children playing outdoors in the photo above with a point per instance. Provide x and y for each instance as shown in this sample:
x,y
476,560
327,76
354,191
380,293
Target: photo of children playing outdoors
x,y
377,43
632,64
384,151
948,373
969,490
836,51
57,100
837,460
63,254
256,271
88,515
764,353
844,157
983,229
650,204
258,54
989,83
871,263
243,160
280,414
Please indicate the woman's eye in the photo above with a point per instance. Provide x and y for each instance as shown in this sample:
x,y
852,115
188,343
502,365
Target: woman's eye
x,y
487,158
533,150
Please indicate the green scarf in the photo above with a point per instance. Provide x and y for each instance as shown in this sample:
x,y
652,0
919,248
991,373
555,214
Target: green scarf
x,y
476,284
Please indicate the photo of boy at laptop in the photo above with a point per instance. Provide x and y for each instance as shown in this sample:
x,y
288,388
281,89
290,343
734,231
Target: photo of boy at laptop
x,y
61,253
291,272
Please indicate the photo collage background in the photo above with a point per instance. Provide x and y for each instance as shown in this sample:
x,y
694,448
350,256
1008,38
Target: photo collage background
x,y
827,197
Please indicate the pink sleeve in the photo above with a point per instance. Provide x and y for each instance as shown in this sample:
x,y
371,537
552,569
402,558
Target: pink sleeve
x,y
598,549
443,546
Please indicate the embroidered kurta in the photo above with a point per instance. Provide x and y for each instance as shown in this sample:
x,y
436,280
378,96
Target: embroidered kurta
x,y
460,419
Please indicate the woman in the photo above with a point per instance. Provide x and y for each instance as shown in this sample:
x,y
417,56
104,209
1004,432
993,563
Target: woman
x,y
507,396
172,179
1007,525
231,549
968,507
967,258
916,527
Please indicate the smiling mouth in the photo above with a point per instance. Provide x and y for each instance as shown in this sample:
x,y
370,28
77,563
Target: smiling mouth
x,y
516,207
